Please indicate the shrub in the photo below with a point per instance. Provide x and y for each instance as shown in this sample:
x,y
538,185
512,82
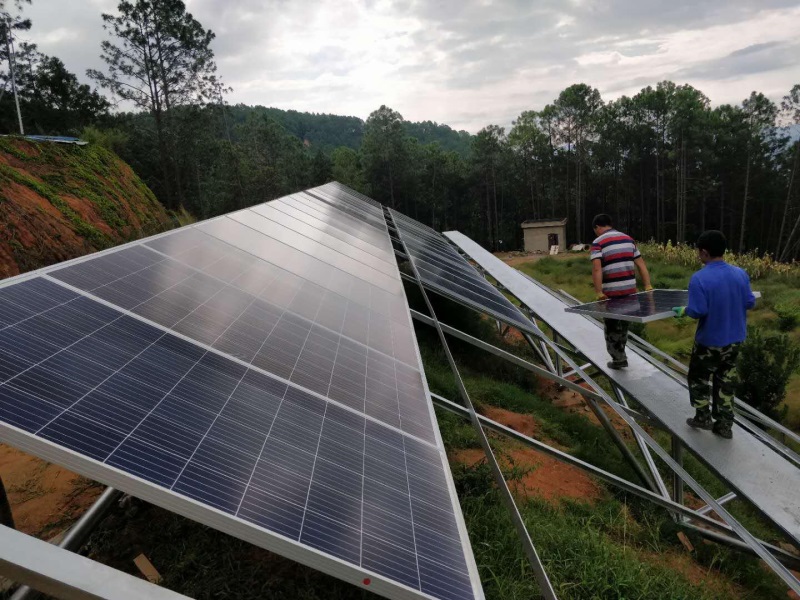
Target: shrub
x,y
111,139
755,265
788,315
765,365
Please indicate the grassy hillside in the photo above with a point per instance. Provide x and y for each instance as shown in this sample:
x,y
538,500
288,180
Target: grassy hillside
x,y
60,201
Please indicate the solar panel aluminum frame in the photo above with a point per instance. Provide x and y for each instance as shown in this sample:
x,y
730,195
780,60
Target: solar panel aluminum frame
x,y
61,573
208,515
588,309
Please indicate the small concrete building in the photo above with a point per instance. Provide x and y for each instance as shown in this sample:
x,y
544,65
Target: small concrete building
x,y
541,234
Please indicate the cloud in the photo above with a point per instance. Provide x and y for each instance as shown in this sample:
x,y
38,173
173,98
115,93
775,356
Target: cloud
x,y
466,63
750,60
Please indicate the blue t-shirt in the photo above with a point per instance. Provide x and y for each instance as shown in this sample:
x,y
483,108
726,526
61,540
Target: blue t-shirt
x,y
720,296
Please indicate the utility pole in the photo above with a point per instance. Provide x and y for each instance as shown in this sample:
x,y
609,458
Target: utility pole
x,y
10,49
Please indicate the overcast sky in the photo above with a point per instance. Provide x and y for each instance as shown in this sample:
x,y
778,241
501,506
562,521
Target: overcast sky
x,y
466,63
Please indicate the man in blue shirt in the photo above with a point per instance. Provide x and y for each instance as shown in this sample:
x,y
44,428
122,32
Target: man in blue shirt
x,y
719,297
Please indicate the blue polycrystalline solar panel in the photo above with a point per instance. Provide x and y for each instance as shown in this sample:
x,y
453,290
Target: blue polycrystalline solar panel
x,y
336,188
444,270
639,308
364,213
273,320
124,394
358,237
262,364
304,204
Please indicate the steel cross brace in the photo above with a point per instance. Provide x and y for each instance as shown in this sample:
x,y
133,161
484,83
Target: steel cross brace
x,y
663,501
590,396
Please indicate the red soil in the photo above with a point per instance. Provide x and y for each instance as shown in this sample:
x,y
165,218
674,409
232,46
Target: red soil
x,y
544,477
35,233
44,498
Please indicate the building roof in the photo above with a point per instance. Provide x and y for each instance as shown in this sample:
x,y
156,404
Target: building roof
x,y
544,223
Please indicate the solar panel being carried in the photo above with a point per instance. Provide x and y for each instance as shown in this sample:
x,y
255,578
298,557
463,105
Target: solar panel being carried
x,y
445,271
638,308
257,373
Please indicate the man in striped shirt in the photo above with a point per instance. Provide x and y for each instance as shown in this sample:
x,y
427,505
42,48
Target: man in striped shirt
x,y
614,256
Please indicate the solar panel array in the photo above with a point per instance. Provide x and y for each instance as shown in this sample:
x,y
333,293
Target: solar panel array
x,y
445,271
261,366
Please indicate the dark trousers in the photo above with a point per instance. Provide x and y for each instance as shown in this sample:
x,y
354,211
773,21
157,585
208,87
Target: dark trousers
x,y
616,338
714,365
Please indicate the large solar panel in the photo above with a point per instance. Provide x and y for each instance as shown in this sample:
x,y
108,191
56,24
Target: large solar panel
x,y
258,373
637,308
445,271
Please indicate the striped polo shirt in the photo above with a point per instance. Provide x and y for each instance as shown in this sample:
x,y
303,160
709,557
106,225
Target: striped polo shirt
x,y
616,253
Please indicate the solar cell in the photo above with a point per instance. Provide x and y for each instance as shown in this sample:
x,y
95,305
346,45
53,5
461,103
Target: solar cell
x,y
261,366
119,392
637,308
446,272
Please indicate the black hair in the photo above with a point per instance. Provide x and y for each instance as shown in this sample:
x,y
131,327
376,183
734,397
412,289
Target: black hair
x,y
713,242
601,220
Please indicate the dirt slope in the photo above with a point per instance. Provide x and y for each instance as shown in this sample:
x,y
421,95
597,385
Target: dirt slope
x,y
60,201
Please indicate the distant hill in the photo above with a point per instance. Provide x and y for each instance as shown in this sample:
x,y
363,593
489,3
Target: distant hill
x,y
318,130
448,138
59,202
326,131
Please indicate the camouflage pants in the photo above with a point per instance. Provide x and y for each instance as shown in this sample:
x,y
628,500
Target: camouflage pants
x,y
616,338
715,364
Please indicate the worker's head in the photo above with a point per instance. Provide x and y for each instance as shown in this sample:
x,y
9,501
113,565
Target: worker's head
x,y
711,245
601,223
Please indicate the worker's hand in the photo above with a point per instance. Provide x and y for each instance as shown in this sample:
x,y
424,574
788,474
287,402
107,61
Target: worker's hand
x,y
648,288
679,310
600,297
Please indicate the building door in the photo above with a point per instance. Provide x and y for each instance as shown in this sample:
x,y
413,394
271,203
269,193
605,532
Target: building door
x,y
552,240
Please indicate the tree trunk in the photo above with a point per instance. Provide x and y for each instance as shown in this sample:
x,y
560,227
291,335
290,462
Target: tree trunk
x,y
788,246
659,237
641,201
678,202
488,212
391,185
433,197
744,203
164,159
788,197
578,182
703,214
684,199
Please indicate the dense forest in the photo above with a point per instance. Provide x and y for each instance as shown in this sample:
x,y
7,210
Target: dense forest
x,y
665,162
